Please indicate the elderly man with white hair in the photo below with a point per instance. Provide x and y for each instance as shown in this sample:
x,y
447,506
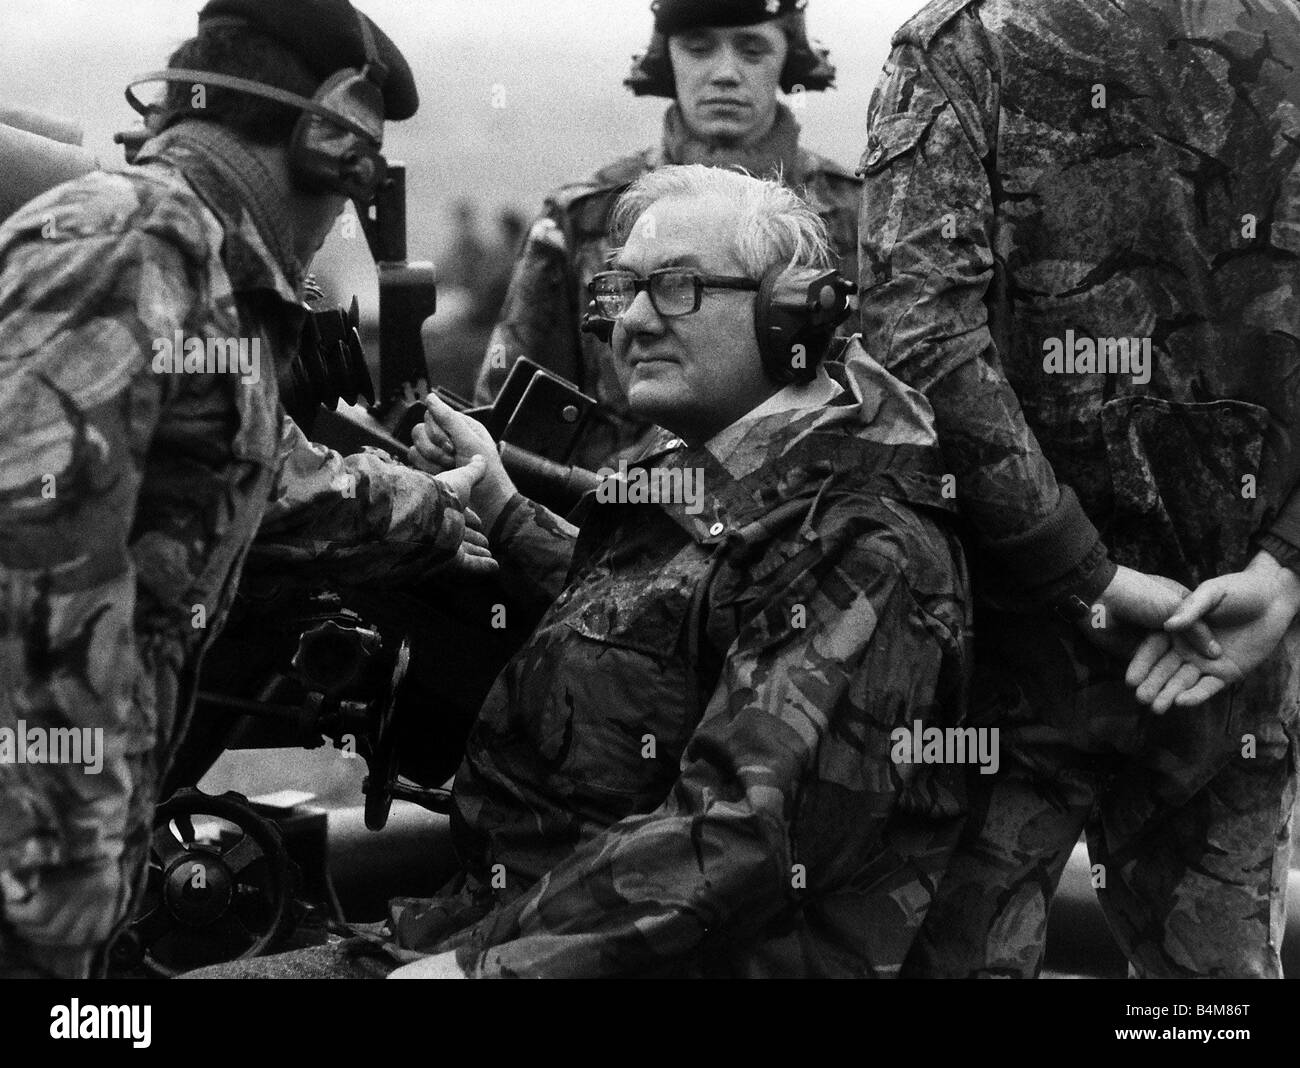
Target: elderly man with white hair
x,y
724,64
692,767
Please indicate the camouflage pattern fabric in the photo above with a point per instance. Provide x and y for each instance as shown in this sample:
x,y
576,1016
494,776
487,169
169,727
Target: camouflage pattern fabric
x,y
1171,213
1113,169
1187,815
686,770
129,499
567,245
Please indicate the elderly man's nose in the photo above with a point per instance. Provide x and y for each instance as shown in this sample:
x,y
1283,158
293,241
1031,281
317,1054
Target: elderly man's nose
x,y
641,316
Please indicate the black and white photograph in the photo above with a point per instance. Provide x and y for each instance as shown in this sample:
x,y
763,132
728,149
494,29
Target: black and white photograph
x,y
650,489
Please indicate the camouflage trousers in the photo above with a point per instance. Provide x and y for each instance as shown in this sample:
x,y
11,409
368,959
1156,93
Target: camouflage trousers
x,y
1187,815
64,930
76,909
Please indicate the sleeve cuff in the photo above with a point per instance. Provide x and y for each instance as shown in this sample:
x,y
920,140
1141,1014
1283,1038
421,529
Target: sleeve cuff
x,y
507,518
1280,549
1060,557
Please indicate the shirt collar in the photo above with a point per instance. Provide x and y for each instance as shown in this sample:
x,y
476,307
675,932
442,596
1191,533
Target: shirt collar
x,y
725,444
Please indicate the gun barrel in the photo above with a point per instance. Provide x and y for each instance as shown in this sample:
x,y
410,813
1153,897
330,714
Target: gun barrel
x,y
555,484
31,165
536,476
51,126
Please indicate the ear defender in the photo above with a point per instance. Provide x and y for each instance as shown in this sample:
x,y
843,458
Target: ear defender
x,y
793,339
335,145
595,323
327,157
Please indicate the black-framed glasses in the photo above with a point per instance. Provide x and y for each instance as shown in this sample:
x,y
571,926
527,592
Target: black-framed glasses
x,y
673,291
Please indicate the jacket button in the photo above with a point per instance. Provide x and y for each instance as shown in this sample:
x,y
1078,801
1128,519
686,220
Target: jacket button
x,y
716,529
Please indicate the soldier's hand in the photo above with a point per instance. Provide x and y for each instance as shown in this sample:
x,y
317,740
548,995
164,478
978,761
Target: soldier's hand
x,y
447,438
462,480
450,436
474,554
428,455
1250,611
1133,605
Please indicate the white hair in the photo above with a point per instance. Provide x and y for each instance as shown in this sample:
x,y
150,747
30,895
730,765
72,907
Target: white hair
x,y
776,226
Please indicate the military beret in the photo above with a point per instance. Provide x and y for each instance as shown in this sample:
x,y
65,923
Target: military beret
x,y
676,16
807,66
325,34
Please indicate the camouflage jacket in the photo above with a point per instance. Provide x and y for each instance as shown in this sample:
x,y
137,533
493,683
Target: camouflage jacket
x,y
1045,182
567,245
686,770
129,495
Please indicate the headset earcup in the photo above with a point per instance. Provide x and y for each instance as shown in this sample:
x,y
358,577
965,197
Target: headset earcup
x,y
313,172
789,344
324,157
772,347
595,323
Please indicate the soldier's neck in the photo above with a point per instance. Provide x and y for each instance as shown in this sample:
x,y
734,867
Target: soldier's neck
x,y
775,152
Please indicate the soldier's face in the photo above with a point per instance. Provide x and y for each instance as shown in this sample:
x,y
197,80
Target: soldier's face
x,y
315,218
694,374
727,80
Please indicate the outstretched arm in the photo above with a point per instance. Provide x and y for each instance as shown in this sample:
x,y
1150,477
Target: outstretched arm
x,y
365,519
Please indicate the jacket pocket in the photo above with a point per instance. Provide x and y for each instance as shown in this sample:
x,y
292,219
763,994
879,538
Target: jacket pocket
x,y
890,137
623,698
1184,477
886,165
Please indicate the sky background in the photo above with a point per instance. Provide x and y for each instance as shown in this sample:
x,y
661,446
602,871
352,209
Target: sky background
x,y
560,64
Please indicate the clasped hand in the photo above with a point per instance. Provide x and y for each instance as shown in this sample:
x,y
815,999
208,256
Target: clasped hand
x,y
460,453
1198,642
449,442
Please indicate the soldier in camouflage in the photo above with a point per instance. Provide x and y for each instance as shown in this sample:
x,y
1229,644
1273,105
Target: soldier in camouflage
x,y
686,770
722,62
1081,240
131,492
